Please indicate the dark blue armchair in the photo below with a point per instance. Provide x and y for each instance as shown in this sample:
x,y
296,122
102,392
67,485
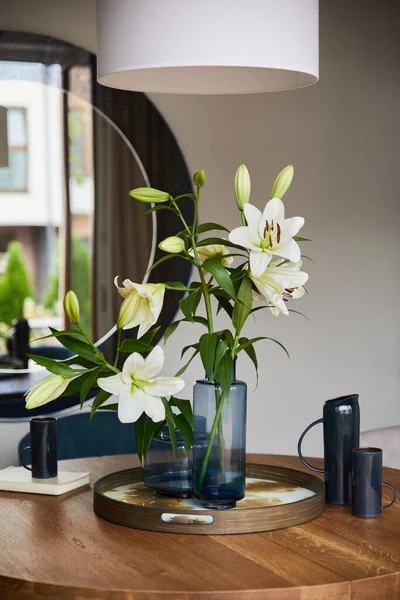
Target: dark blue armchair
x,y
104,435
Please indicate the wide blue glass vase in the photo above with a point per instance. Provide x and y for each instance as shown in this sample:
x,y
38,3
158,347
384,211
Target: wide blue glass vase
x,y
169,474
219,448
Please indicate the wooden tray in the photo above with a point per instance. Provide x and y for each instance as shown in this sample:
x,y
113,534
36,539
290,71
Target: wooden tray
x,y
276,498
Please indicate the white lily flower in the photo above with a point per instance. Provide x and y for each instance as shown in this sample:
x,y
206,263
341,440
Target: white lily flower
x,y
279,283
142,305
212,251
267,234
138,389
47,389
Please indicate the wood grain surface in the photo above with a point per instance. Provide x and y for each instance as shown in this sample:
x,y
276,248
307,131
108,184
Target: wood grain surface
x,y
56,547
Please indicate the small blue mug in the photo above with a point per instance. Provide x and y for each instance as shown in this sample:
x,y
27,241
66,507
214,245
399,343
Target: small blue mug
x,y
367,483
43,448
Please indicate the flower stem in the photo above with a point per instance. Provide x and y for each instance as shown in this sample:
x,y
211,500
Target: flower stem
x,y
204,286
84,334
190,231
118,345
221,444
235,344
213,431
205,292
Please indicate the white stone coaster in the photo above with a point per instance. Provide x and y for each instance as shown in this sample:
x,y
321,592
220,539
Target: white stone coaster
x,y
18,479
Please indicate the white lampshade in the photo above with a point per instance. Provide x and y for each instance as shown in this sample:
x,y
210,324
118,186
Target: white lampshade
x,y
3,138
207,46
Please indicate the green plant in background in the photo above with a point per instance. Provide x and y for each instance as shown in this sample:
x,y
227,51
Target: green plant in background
x,y
80,280
50,294
76,122
14,285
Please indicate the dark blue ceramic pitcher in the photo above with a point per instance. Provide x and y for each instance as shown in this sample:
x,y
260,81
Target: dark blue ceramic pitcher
x,y
341,420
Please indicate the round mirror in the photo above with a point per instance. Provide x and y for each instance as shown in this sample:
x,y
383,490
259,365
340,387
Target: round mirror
x,y
75,149
50,232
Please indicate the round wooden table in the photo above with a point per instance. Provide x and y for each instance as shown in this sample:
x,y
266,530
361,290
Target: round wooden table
x,y
56,547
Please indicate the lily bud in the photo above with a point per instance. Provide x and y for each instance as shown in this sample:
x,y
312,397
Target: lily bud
x,y
128,309
199,179
149,195
242,186
173,245
71,307
49,388
282,182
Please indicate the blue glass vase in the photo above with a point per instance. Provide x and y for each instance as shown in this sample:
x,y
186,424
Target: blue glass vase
x,y
163,471
219,449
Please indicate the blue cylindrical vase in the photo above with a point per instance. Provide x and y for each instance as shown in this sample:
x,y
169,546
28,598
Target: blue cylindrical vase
x,y
219,464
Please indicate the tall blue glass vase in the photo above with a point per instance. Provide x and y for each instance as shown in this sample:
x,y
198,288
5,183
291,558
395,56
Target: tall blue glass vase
x,y
219,464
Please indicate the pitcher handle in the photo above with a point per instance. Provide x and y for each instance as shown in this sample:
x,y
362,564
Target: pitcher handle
x,y
394,494
303,460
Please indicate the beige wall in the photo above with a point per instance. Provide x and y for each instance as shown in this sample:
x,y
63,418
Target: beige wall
x,y
342,137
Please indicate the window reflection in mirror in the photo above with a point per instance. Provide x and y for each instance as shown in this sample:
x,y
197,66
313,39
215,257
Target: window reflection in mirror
x,y
46,197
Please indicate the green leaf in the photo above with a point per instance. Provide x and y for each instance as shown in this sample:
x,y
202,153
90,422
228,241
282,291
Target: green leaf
x,y
185,366
185,407
150,431
297,238
257,308
88,382
54,366
226,306
229,338
172,326
101,397
129,346
166,257
56,334
170,329
186,348
242,309
189,195
156,208
176,285
222,347
186,432
223,301
204,227
140,427
257,339
109,407
220,274
307,257
78,360
79,347
217,240
224,374
74,385
147,338
208,346
297,312
200,320
189,303
169,415
251,353
184,234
